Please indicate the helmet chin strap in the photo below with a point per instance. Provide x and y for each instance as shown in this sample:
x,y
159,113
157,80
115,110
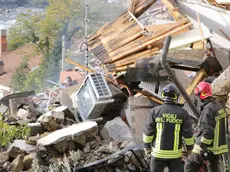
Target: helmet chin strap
x,y
169,100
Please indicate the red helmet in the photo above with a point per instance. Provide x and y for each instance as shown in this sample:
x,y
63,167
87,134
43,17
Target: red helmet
x,y
203,90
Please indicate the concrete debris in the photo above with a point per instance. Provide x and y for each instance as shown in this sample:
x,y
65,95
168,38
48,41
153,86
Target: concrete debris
x,y
228,104
53,116
33,140
102,150
17,164
36,128
7,166
136,114
65,110
24,114
20,147
56,116
77,132
49,123
64,99
27,161
4,157
110,131
221,85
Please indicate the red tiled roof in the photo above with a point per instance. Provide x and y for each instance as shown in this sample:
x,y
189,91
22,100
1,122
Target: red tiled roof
x,y
12,60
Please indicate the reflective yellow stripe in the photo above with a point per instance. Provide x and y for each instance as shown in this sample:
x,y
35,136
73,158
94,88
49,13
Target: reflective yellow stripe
x,y
206,141
147,139
159,132
189,141
176,137
166,154
196,149
216,135
219,150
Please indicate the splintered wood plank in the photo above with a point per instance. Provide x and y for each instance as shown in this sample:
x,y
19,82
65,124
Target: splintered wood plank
x,y
120,69
143,43
131,59
198,45
198,78
132,6
88,70
155,28
173,10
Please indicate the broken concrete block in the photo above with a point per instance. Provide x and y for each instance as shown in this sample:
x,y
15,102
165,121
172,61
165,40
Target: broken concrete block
x,y
64,99
7,166
4,156
27,161
65,110
227,105
36,128
86,148
20,147
58,117
33,140
117,129
71,145
49,123
75,132
14,103
61,146
221,85
17,164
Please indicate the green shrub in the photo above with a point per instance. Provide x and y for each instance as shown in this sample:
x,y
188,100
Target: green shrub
x,y
10,132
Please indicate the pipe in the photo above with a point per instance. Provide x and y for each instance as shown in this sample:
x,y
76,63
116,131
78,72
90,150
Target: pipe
x,y
167,68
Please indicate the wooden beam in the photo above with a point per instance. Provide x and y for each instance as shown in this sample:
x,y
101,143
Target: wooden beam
x,y
173,10
198,45
132,6
198,78
145,93
89,70
124,51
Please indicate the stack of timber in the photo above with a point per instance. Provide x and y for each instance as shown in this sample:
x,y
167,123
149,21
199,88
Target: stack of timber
x,y
120,43
220,5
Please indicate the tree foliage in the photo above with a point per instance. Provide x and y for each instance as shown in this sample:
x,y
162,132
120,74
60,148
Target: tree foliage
x,y
20,75
45,30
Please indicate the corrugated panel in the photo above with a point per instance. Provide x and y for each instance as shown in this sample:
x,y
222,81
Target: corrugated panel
x,y
149,87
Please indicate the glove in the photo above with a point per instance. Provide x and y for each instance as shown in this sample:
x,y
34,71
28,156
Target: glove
x,y
197,158
147,154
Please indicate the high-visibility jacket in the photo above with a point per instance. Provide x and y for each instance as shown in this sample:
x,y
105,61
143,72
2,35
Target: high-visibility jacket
x,y
212,129
166,126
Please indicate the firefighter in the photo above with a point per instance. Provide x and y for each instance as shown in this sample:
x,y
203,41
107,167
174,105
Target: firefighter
x,y
162,136
211,136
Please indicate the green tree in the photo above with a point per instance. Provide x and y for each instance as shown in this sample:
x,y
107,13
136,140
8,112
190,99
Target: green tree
x,y
20,75
25,30
45,30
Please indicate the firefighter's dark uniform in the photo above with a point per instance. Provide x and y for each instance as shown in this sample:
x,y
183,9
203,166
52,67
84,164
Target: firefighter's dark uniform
x,y
211,135
166,126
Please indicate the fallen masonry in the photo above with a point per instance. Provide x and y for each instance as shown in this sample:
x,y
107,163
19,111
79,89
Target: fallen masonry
x,y
78,133
97,125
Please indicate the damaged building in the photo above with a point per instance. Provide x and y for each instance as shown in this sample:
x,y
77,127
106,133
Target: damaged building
x,y
99,121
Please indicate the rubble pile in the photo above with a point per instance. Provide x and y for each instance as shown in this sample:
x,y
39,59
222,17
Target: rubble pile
x,y
101,120
221,88
56,132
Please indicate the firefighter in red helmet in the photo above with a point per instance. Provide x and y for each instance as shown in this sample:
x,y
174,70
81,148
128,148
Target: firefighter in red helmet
x,y
211,136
